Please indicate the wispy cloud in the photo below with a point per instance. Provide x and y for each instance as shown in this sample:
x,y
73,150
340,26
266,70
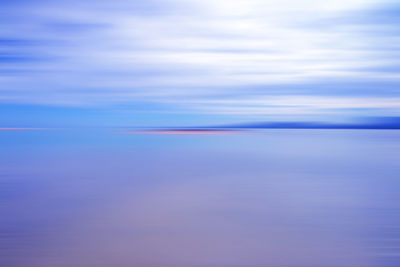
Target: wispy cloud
x,y
97,52
293,104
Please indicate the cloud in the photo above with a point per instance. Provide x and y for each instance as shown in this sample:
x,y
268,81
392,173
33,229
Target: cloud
x,y
95,52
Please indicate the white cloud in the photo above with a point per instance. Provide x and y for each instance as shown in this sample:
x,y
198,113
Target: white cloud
x,y
130,50
291,105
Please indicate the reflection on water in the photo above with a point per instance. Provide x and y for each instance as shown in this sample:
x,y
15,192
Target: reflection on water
x,y
268,198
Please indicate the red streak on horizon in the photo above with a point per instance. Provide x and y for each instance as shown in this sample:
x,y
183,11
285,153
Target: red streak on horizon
x,y
21,129
184,132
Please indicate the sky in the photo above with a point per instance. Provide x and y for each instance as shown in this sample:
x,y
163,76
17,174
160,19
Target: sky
x,y
196,62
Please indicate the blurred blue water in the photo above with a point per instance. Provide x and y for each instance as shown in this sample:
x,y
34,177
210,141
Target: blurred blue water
x,y
103,197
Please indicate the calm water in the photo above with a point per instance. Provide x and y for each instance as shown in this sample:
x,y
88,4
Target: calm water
x,y
279,198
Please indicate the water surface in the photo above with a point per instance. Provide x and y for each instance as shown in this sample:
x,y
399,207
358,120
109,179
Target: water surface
x,y
279,198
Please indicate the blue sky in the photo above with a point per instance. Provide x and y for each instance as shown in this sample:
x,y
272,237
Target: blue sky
x,y
188,62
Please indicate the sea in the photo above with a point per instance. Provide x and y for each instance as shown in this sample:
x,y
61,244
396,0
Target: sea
x,y
109,197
